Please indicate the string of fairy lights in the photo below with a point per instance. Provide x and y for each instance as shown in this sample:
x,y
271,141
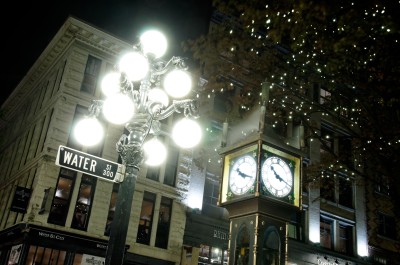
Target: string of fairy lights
x,y
311,54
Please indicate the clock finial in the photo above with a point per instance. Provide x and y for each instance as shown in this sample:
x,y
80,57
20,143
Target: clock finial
x,y
265,87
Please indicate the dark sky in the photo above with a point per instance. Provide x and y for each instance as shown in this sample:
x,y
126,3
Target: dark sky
x,y
27,27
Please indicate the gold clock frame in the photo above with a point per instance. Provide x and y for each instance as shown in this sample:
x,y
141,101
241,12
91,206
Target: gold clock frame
x,y
226,194
296,163
261,148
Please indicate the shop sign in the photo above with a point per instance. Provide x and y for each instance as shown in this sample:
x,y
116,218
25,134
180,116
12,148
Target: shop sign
x,y
325,262
92,260
220,234
21,199
15,253
40,234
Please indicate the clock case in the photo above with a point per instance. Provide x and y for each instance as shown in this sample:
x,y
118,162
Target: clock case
x,y
260,148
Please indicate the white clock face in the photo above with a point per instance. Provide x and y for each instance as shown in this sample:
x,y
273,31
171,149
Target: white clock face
x,y
242,174
277,176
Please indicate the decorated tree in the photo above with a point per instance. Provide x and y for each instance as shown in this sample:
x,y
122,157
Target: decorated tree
x,y
349,49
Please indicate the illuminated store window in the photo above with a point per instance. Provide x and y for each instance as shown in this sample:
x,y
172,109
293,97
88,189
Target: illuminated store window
x,y
212,255
204,255
42,255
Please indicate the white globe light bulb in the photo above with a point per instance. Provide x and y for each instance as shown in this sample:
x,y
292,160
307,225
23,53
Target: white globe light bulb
x,y
88,131
154,42
134,65
186,133
177,83
110,84
118,108
155,152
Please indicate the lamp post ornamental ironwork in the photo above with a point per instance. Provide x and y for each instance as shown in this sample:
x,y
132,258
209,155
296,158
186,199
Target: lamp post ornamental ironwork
x,y
135,98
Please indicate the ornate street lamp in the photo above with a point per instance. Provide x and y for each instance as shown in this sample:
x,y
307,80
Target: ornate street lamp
x,y
138,96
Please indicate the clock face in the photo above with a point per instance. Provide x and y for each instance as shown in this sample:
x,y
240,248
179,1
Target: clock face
x,y
277,176
242,174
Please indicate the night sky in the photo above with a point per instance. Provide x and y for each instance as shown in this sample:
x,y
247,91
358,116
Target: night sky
x,y
28,27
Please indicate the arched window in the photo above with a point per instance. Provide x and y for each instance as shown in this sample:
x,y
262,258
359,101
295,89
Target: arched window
x,y
271,247
242,246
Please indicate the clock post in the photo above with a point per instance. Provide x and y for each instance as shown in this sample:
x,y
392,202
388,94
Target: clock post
x,y
261,189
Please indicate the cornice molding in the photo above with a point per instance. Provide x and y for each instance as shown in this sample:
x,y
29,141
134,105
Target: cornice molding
x,y
73,30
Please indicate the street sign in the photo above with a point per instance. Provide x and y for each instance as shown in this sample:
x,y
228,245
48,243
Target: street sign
x,y
89,164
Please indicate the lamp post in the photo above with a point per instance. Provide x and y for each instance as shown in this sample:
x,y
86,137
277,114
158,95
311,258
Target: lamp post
x,y
138,95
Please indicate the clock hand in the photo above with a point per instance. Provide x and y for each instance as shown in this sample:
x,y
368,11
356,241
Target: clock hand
x,y
278,177
243,175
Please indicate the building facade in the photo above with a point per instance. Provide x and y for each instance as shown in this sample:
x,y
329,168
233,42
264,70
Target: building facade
x,y
342,218
54,215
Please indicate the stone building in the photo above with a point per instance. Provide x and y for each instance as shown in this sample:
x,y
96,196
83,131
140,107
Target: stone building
x,y
55,215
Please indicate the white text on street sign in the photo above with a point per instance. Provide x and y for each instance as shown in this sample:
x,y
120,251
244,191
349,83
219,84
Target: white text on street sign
x,y
89,164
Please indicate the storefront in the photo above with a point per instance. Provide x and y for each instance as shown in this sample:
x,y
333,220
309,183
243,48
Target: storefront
x,y
36,245
302,253
31,244
205,239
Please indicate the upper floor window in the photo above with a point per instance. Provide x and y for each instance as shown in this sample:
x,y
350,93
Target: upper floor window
x,y
171,166
339,104
146,218
153,173
66,180
111,208
164,221
327,140
386,225
327,189
324,96
84,202
80,112
221,104
62,197
336,235
382,185
91,75
326,233
337,188
345,239
211,190
345,192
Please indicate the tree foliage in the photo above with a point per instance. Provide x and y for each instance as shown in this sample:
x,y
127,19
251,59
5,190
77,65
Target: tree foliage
x,y
350,49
